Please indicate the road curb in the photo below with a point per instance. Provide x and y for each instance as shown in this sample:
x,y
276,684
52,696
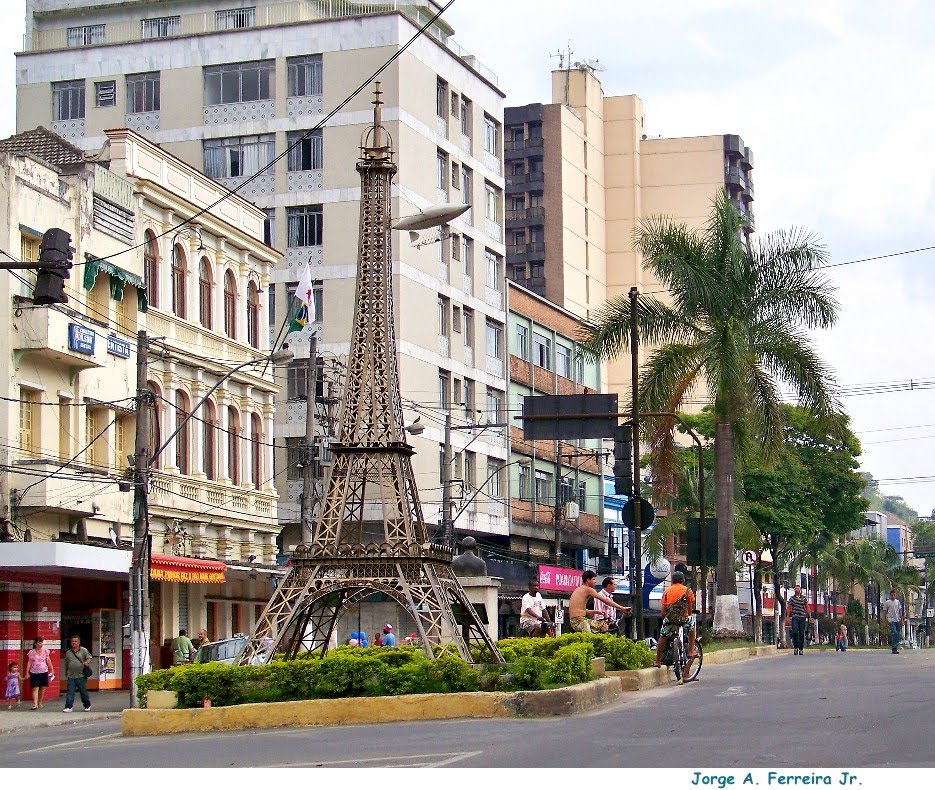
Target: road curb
x,y
413,707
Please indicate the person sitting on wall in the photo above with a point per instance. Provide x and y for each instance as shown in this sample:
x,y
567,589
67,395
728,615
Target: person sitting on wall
x,y
581,618
534,619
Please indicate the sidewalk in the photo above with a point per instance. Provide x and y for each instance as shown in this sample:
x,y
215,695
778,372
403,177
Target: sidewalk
x,y
104,705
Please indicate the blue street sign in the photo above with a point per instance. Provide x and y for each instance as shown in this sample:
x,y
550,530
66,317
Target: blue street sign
x,y
118,347
81,339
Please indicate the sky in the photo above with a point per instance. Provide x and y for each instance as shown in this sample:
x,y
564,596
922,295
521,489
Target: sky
x,y
833,99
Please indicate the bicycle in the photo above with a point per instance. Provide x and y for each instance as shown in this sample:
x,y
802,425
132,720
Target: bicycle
x,y
676,656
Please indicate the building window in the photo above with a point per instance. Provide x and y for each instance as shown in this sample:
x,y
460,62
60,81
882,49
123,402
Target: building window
x,y
209,441
235,19
494,473
456,319
179,277
305,150
120,441
491,136
441,99
90,436
541,351
494,405
466,107
269,227
563,360
233,445
230,305
494,340
143,92
256,450
205,294
544,487
105,93
28,247
155,421
443,312
468,327
150,268
304,225
444,389
492,202
237,157
522,342
85,36
318,297
441,174
68,100
182,443
253,315
27,422
297,380
467,255
304,75
494,270
579,369
524,489
467,185
470,470
239,82
162,27
294,457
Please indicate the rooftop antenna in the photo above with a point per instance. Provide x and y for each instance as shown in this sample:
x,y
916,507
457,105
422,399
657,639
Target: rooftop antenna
x,y
563,58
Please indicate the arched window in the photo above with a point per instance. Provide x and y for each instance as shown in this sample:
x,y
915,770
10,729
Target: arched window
x,y
155,423
233,445
230,305
256,450
205,294
182,439
151,268
179,272
253,315
209,441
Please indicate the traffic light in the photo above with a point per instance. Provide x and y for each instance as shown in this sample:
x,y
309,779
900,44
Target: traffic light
x,y
55,259
623,460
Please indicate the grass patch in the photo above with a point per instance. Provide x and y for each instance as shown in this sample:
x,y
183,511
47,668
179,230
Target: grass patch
x,y
716,645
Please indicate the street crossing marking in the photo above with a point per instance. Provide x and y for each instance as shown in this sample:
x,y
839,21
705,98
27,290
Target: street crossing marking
x,y
732,691
437,760
69,744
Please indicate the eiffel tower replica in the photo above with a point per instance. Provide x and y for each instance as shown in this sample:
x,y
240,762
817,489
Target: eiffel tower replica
x,y
371,537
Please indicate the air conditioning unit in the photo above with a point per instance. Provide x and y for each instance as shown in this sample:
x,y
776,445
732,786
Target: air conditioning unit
x,y
571,510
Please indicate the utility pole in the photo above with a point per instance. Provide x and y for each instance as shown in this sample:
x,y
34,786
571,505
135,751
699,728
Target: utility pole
x,y
558,502
637,592
139,570
308,467
448,532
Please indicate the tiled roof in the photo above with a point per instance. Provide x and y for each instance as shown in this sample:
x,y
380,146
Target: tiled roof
x,y
46,145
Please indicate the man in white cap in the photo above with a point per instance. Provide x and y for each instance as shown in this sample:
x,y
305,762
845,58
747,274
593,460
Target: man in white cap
x,y
389,638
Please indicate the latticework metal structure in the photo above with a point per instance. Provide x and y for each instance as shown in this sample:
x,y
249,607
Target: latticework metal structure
x,y
371,537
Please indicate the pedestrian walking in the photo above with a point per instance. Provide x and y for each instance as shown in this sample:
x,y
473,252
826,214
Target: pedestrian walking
x,y
182,649
893,609
39,664
14,688
841,642
389,638
797,612
77,672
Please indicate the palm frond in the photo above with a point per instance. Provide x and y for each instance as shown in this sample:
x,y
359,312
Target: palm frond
x,y
787,355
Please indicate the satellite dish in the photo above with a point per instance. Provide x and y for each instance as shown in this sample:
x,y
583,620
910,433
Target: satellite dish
x,y
595,64
431,217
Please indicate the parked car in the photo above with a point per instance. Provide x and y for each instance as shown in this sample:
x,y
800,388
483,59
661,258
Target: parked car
x,y
227,651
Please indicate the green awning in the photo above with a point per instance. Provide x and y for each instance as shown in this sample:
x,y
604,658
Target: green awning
x,y
119,279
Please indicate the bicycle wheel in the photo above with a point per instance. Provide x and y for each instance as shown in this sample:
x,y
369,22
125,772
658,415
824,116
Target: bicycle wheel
x,y
678,658
691,672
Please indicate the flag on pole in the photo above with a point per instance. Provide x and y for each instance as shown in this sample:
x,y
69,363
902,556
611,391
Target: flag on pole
x,y
304,295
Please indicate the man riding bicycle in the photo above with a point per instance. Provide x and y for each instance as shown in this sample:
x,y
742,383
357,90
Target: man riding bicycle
x,y
678,603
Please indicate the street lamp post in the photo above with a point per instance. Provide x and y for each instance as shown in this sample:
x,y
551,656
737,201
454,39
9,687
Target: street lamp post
x,y
143,461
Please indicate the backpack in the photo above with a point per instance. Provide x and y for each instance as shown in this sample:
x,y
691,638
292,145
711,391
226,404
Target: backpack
x,y
677,611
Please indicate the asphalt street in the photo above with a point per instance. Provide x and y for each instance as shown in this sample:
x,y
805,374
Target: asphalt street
x,y
860,709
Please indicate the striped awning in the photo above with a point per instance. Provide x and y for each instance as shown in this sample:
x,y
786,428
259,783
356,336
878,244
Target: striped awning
x,y
186,570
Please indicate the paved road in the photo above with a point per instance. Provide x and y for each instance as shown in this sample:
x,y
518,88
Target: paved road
x,y
862,709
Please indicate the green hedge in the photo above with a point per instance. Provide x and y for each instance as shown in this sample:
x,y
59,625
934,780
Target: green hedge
x,y
619,653
369,672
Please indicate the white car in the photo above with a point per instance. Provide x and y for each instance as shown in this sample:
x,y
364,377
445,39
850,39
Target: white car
x,y
227,651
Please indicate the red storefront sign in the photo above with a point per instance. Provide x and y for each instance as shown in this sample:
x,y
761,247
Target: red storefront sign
x,y
560,579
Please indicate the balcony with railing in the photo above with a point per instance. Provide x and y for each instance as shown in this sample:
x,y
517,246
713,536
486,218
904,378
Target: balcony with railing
x,y
184,494
529,215
50,34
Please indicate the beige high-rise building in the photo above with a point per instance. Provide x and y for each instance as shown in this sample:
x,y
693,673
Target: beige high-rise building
x,y
236,91
582,174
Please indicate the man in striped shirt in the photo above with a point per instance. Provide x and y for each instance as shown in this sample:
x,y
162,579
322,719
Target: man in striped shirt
x,y
797,610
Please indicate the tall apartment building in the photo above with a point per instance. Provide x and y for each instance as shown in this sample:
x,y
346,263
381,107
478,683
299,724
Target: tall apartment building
x,y
229,89
68,392
581,174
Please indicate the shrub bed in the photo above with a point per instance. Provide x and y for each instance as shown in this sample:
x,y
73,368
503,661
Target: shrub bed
x,y
371,672
619,653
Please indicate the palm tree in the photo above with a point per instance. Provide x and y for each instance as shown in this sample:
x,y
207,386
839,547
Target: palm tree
x,y
732,325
